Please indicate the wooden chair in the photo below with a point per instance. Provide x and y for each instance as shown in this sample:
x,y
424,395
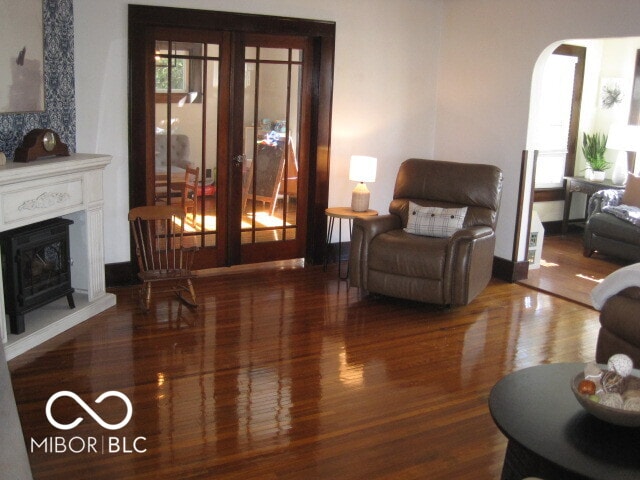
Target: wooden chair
x,y
164,254
190,192
161,188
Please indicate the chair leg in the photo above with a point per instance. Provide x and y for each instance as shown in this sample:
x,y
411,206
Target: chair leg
x,y
146,296
192,292
180,290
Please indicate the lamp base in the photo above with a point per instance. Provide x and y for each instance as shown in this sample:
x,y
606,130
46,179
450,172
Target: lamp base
x,y
360,198
619,175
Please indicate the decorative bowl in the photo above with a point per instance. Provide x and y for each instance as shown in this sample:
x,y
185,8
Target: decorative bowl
x,y
616,416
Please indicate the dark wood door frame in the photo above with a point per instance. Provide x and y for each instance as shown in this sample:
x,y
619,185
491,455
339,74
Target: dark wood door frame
x,y
322,34
634,111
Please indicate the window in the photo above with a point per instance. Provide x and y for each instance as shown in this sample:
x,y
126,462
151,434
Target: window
x,y
181,64
557,129
179,74
555,117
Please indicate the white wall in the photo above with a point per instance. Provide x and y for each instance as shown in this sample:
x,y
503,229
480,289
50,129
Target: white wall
x,y
489,49
384,89
402,69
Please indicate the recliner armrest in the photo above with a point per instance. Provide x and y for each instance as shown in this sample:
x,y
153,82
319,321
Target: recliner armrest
x,y
470,263
365,229
471,233
373,226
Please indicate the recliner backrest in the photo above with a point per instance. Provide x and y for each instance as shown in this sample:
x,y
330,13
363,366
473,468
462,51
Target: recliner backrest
x,y
449,184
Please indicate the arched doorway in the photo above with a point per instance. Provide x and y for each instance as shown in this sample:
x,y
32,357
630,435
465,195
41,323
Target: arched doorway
x,y
607,62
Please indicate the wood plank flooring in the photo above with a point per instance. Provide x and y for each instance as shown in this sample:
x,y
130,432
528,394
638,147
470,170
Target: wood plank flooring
x,y
565,272
286,373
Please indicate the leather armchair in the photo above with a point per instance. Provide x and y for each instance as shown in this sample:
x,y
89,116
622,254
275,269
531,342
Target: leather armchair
x,y
619,328
607,234
451,271
14,460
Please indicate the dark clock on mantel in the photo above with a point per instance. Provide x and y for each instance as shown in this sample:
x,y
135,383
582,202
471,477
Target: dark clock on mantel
x,y
41,142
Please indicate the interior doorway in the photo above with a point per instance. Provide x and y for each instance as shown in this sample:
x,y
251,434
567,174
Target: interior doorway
x,y
559,120
607,62
230,118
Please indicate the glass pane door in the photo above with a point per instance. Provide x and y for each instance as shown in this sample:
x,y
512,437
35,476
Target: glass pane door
x,y
236,161
186,129
271,138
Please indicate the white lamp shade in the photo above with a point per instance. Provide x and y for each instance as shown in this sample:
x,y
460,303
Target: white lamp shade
x,y
624,137
362,168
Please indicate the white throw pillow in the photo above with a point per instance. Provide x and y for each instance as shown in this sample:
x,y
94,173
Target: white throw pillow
x,y
434,221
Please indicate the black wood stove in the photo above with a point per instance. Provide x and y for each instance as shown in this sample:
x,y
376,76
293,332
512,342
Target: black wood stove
x,y
36,268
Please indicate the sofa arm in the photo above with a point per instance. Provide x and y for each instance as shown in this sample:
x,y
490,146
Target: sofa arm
x,y
14,458
365,229
469,263
604,198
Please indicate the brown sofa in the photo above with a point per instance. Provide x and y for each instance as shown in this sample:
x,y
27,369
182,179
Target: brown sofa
x,y
607,234
14,460
619,326
453,270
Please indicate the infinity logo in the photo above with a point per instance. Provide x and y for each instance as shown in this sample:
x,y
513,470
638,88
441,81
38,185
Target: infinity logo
x,y
89,410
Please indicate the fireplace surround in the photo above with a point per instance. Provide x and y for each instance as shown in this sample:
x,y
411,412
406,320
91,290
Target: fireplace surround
x,y
72,188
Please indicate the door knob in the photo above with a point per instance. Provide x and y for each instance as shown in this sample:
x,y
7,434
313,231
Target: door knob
x,y
239,160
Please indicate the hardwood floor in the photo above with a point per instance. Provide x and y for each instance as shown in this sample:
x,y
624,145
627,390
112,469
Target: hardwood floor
x,y
565,272
287,373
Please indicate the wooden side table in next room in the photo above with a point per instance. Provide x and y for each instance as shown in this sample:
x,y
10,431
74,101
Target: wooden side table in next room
x,y
341,213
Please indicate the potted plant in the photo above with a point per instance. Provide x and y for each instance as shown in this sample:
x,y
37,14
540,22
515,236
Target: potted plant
x,y
593,148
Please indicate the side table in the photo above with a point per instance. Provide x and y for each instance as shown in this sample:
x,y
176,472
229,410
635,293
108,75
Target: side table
x,y
582,185
341,213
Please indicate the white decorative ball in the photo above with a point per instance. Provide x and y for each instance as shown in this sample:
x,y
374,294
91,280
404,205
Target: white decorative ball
x,y
613,400
621,364
632,404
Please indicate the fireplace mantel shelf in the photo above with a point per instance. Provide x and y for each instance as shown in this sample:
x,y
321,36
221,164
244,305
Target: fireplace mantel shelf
x,y
70,187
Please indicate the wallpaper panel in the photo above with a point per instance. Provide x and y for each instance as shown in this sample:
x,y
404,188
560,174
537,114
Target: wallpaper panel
x,y
59,87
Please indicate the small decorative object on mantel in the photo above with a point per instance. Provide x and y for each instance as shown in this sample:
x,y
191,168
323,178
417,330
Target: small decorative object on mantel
x,y
40,142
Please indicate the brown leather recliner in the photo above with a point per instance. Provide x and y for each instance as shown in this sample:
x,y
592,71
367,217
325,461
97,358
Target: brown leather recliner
x,y
452,271
619,327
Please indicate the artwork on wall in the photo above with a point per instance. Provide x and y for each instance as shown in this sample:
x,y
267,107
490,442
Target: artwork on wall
x,y
21,56
59,112
611,92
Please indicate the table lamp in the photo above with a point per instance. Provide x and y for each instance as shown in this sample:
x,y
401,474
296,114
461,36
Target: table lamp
x,y
361,169
624,138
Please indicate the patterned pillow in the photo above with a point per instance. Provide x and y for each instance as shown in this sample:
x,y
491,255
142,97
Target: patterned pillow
x,y
434,221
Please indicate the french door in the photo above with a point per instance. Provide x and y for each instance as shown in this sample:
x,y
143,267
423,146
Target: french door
x,y
236,111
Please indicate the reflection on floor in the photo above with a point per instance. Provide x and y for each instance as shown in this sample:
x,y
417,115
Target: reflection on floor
x,y
268,227
209,222
566,273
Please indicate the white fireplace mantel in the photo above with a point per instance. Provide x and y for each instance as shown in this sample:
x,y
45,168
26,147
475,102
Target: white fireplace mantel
x,y
70,187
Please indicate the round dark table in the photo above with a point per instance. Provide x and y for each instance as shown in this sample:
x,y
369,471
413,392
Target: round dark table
x,y
551,436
